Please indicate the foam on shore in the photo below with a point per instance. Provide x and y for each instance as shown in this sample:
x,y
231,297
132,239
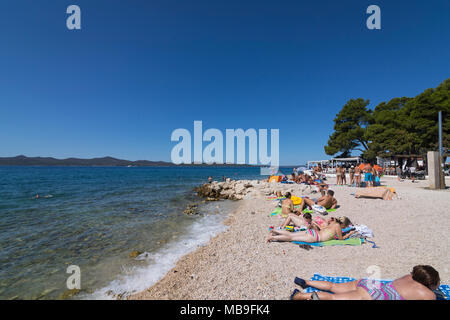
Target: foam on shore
x,y
158,263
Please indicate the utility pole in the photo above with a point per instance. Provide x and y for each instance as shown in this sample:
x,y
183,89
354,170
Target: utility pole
x,y
435,162
441,148
441,151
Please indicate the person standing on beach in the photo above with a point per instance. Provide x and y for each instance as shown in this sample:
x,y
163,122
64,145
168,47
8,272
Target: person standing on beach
x,y
343,176
412,169
399,173
338,175
368,178
351,173
358,173
209,179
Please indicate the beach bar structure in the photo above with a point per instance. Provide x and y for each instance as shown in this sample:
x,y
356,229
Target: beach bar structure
x,y
416,160
316,162
352,160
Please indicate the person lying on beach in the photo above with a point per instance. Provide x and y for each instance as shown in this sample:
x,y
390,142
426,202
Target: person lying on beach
x,y
301,178
298,220
418,285
328,201
332,231
287,206
322,186
318,223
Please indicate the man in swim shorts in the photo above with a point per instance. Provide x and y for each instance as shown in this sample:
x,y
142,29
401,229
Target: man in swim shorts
x,y
368,177
328,201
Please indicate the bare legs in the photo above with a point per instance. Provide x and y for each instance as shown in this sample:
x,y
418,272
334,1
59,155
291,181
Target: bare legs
x,y
358,181
342,291
286,236
308,202
293,218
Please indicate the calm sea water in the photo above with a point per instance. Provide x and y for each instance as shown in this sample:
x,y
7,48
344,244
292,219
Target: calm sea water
x,y
93,218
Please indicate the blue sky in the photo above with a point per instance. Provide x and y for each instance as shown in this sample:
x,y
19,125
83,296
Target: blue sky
x,y
140,69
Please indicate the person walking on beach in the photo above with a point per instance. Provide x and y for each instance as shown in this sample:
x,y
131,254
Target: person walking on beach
x,y
418,285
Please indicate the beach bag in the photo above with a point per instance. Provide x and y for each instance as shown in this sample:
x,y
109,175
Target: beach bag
x,y
319,209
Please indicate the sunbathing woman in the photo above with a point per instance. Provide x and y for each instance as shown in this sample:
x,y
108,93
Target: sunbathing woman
x,y
287,206
418,285
332,231
298,220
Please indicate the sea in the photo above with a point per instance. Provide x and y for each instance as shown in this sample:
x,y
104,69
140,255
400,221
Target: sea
x,y
81,230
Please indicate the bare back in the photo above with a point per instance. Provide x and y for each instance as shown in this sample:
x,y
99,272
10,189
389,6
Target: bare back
x,y
287,206
410,289
327,201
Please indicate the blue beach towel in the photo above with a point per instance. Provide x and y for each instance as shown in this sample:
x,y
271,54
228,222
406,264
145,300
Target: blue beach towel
x,y
445,289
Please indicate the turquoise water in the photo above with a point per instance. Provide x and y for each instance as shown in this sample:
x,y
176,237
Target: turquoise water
x,y
93,218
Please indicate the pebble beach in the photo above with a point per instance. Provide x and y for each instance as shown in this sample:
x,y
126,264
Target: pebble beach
x,y
239,264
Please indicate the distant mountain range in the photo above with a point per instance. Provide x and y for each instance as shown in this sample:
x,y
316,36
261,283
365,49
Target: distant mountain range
x,y
95,162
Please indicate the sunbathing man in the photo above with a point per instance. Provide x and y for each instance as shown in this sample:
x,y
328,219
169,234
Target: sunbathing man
x,y
322,186
332,231
327,201
298,220
418,285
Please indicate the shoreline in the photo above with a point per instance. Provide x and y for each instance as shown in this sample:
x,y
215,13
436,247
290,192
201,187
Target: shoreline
x,y
239,264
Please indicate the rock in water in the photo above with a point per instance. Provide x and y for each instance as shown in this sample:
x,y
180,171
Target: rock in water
x,y
134,254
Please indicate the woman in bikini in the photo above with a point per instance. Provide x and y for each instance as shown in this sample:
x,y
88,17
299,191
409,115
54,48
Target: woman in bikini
x,y
298,220
338,175
351,173
287,206
332,231
358,177
418,285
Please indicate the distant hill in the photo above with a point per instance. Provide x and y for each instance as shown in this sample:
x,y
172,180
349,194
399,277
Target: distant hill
x,y
95,162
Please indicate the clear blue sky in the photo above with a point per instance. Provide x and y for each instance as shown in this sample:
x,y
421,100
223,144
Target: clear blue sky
x,y
140,69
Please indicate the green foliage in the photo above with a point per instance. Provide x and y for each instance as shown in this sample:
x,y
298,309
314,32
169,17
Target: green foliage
x,y
400,126
350,128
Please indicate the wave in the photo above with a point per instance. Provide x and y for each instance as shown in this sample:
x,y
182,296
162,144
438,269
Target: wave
x,y
136,279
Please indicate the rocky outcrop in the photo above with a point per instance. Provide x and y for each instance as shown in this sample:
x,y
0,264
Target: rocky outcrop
x,y
246,189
